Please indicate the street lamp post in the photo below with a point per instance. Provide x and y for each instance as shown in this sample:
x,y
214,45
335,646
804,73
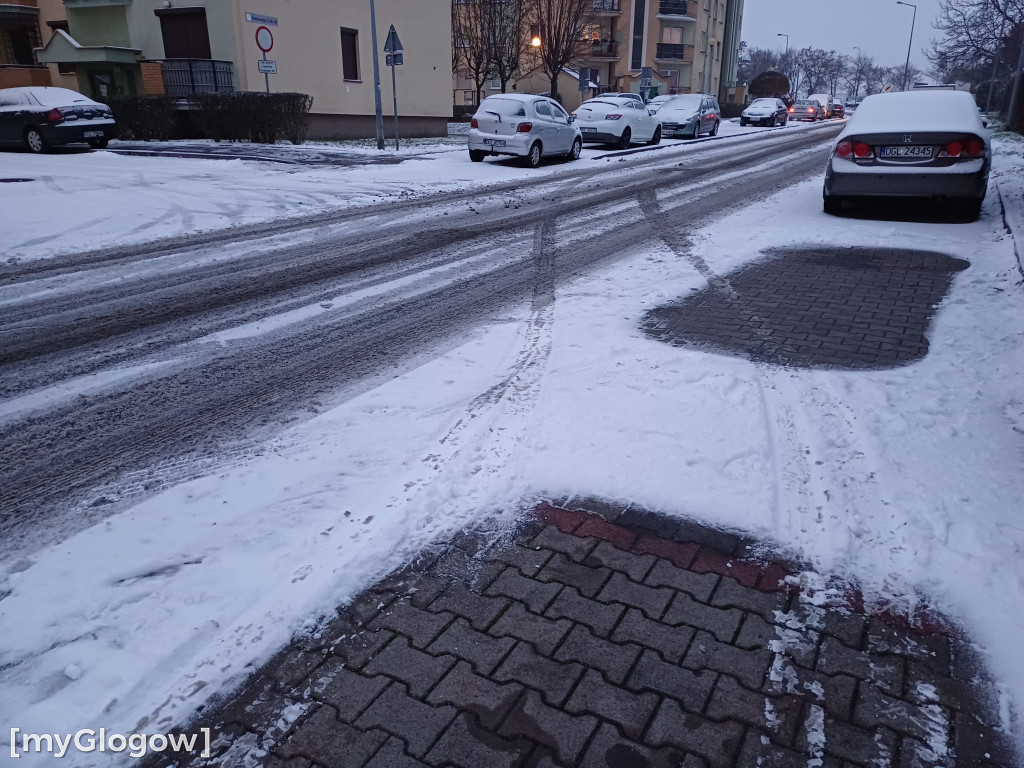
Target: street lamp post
x,y
906,69
379,114
783,34
856,88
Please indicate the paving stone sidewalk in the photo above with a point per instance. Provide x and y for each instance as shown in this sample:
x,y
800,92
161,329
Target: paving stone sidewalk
x,y
605,636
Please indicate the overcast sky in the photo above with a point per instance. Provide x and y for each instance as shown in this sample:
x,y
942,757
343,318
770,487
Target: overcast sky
x,y
880,27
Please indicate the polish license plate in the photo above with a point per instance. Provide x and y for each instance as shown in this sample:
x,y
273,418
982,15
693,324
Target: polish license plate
x,y
494,142
588,130
919,151
93,134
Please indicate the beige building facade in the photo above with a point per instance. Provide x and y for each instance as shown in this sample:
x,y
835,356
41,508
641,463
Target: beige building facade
x,y
319,47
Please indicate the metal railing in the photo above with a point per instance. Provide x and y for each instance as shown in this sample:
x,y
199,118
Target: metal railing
x,y
599,50
674,52
674,8
607,6
184,77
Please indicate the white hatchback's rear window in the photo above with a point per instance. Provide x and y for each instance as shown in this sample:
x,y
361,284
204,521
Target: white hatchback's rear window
x,y
504,107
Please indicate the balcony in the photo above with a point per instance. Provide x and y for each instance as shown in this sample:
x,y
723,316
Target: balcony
x,y
185,77
601,50
679,10
607,8
673,52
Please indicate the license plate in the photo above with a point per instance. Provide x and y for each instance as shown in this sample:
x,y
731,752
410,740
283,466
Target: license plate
x,y
915,150
588,130
93,134
494,142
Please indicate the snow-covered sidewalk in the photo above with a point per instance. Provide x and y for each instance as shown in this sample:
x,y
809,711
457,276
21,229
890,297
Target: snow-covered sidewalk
x,y
135,622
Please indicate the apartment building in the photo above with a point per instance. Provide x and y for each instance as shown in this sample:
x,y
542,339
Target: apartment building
x,y
683,41
320,47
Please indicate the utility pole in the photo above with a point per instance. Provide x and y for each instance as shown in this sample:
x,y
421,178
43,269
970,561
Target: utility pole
x,y
376,79
856,87
906,69
1018,75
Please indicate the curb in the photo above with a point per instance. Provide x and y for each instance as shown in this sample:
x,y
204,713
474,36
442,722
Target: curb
x,y
1013,221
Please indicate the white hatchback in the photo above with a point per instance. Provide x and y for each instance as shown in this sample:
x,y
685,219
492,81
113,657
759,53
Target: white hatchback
x,y
525,126
618,121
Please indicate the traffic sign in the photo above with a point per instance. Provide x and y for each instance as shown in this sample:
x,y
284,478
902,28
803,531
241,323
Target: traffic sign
x,y
264,39
889,89
393,44
267,66
395,59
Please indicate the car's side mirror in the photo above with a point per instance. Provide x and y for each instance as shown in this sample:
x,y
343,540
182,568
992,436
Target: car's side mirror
x,y
652,111
572,118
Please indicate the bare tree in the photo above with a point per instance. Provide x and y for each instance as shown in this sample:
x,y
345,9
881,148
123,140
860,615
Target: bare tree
x,y
506,37
836,66
814,66
561,24
471,53
754,61
875,78
857,73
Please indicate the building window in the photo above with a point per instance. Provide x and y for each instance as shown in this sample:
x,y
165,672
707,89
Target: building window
x,y
349,54
636,59
184,31
672,35
703,41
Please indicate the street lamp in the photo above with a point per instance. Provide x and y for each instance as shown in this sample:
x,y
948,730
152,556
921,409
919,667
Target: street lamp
x,y
906,69
535,40
783,34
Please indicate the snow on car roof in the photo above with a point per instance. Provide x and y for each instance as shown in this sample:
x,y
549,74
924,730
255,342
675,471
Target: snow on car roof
x,y
916,111
47,96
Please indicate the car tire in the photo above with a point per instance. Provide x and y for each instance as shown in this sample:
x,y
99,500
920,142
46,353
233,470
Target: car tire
x,y
477,155
577,147
743,122
98,143
532,159
714,131
624,139
785,119
656,138
970,210
832,204
34,141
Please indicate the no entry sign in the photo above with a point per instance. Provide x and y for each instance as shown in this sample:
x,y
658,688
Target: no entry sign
x,y
264,39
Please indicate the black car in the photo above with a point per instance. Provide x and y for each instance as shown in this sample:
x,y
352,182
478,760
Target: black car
x,y
838,108
40,117
765,112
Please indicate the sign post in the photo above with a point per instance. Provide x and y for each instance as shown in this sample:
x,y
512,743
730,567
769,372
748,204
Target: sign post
x,y
395,57
379,112
646,81
265,42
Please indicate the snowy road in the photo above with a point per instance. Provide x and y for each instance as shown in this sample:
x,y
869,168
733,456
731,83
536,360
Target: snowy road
x,y
112,362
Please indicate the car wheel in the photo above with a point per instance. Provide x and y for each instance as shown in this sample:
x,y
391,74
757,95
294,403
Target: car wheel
x,y
785,119
743,122
477,155
970,210
624,139
34,141
714,131
832,204
656,138
98,143
533,159
577,147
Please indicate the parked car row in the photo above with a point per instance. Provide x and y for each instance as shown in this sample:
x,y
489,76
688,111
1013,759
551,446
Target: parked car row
x,y
534,127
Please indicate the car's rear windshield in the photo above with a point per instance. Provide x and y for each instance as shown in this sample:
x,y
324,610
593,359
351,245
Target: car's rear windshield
x,y
807,103
505,107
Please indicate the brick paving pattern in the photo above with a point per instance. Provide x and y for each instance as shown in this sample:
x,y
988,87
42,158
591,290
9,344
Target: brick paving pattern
x,y
610,637
842,308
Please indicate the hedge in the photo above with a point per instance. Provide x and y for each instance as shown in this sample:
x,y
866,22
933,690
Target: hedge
x,y
251,116
144,118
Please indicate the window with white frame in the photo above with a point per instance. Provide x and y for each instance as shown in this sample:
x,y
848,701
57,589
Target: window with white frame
x,y
672,35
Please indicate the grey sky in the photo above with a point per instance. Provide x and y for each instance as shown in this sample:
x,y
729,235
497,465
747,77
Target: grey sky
x,y
880,27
